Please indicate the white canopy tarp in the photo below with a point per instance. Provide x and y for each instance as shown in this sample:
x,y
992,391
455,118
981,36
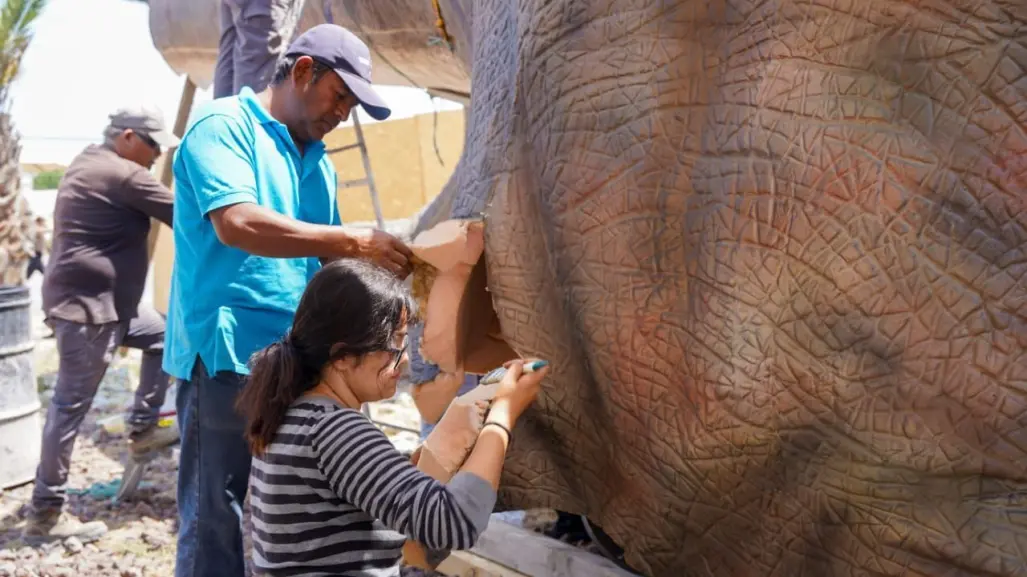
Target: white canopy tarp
x,y
399,33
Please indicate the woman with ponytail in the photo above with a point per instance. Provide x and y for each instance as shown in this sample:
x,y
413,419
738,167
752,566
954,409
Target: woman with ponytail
x,y
329,493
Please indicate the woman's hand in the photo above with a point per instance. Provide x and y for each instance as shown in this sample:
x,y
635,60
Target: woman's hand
x,y
518,390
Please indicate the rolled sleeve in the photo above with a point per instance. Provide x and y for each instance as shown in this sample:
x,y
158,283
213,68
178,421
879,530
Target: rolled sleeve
x,y
475,496
217,159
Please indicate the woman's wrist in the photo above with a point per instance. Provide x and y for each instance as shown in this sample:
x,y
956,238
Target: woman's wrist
x,y
500,427
501,414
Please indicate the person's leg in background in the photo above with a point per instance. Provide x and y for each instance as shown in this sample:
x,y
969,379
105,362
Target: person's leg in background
x,y
146,333
85,351
224,66
213,473
35,264
254,36
431,389
443,386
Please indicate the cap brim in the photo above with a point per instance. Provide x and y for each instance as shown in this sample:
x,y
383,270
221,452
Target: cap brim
x,y
164,138
372,102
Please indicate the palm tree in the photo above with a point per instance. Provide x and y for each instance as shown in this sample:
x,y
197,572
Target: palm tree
x,y
16,18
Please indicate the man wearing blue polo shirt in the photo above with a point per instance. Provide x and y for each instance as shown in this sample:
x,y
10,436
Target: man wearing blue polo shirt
x,y
255,216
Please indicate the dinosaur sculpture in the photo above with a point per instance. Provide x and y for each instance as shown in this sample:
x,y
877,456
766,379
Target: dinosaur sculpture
x,y
776,252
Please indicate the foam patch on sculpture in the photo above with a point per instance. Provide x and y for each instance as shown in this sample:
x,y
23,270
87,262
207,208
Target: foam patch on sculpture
x,y
461,329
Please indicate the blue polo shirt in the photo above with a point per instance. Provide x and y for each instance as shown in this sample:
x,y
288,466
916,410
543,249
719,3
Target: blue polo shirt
x,y
226,304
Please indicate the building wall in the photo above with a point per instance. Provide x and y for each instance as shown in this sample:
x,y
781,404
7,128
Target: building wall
x,y
407,172
407,175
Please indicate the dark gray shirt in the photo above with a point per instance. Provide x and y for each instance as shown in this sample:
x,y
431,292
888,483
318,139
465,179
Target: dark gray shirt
x,y
101,222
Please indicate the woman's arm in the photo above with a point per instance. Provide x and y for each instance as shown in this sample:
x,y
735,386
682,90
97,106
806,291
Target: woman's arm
x,y
489,453
516,391
364,468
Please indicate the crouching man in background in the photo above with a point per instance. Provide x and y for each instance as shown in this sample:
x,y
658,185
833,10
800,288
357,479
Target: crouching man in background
x,y
91,294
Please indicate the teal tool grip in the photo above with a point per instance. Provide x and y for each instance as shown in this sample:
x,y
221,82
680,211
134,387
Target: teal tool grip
x,y
496,375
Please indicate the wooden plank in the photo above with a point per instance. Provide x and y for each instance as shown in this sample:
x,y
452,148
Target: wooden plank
x,y
466,564
462,98
185,106
521,552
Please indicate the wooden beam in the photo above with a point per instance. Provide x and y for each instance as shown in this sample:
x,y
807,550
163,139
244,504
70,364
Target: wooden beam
x,y
505,550
459,97
185,106
465,564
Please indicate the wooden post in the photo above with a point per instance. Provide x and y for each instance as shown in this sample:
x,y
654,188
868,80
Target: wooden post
x,y
185,106
504,550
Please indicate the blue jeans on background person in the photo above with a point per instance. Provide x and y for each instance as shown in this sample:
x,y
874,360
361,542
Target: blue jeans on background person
x,y
470,381
422,371
214,461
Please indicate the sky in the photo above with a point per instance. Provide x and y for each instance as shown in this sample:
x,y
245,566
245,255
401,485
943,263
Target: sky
x,y
87,57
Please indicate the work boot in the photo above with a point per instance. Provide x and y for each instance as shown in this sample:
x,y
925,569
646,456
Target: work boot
x,y
152,439
57,525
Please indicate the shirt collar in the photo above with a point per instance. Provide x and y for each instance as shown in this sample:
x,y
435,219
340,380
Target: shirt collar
x,y
249,99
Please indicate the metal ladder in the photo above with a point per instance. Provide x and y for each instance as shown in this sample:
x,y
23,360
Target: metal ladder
x,y
367,181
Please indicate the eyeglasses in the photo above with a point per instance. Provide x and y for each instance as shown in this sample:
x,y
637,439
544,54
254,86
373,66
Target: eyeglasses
x,y
398,354
148,141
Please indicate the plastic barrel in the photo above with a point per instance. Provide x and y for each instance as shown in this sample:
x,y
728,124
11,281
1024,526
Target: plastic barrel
x,y
20,419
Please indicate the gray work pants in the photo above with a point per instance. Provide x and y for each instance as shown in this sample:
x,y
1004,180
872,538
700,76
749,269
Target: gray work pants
x,y
85,351
254,34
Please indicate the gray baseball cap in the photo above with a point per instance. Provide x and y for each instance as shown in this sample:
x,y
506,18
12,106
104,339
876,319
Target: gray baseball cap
x,y
147,120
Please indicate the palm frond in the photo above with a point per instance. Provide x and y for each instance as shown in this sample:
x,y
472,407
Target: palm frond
x,y
16,19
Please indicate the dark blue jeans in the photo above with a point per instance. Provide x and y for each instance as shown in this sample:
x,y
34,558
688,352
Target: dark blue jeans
x,y
213,474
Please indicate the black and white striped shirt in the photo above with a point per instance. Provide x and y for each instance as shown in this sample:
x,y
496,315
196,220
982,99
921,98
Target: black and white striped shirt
x,y
333,496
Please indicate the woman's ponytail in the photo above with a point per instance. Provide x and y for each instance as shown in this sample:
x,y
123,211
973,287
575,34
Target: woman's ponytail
x,y
277,378
349,308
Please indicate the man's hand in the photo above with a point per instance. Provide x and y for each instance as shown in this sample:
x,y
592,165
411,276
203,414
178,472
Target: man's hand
x,y
385,250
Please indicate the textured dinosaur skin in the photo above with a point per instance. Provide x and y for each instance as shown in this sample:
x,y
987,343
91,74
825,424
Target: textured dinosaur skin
x,y
776,252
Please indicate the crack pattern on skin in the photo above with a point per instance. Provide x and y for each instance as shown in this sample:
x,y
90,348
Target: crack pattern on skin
x,y
777,254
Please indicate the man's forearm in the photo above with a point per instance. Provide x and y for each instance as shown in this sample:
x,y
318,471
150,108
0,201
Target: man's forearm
x,y
264,232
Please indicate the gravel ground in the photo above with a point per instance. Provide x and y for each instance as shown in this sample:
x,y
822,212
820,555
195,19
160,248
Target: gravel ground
x,y
141,540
